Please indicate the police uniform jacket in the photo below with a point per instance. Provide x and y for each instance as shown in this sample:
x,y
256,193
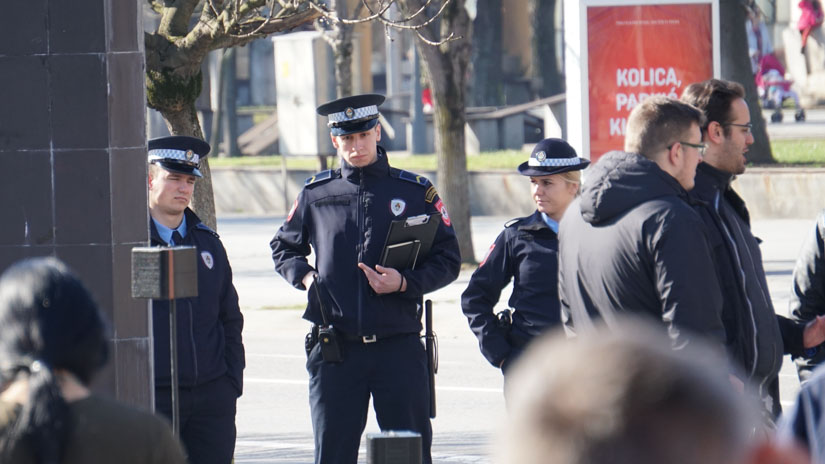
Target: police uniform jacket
x,y
526,251
209,325
632,243
345,215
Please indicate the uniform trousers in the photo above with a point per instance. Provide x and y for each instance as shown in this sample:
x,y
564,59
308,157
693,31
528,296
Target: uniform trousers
x,y
393,371
207,419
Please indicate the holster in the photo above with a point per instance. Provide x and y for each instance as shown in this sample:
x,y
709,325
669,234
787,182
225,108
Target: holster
x,y
329,339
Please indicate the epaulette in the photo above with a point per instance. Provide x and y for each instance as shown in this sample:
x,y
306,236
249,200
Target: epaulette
x,y
320,177
410,177
204,227
512,222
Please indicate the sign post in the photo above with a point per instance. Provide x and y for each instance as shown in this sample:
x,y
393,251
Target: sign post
x,y
619,52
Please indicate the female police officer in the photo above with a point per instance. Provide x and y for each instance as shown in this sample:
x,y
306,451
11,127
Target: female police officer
x,y
525,251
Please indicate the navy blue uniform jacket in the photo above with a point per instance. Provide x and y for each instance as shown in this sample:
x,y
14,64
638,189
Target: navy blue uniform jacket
x,y
209,326
527,252
344,215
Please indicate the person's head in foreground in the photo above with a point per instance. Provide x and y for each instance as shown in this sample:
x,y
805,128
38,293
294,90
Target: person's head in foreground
x,y
624,396
52,342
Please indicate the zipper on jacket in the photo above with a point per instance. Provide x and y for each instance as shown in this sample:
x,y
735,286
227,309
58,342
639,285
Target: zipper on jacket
x,y
192,341
744,284
361,219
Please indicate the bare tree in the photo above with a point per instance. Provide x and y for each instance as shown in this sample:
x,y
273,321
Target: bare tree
x,y
338,35
176,50
545,61
445,52
487,86
736,66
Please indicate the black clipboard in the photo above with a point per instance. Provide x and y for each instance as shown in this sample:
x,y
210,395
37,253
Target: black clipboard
x,y
408,240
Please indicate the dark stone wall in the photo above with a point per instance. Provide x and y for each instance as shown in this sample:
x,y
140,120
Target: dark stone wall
x,y
72,158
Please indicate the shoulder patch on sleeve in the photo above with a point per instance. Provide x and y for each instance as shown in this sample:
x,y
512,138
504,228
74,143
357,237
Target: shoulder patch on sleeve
x,y
321,177
430,195
412,177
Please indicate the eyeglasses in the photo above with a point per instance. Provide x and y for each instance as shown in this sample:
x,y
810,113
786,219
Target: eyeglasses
x,y
748,126
698,146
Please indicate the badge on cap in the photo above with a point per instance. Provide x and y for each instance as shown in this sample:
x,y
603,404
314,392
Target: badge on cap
x,y
541,156
189,155
349,113
398,206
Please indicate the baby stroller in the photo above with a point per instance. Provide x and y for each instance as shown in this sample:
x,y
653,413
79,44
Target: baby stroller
x,y
774,88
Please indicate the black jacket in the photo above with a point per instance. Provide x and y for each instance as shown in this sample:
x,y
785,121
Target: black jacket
x,y
808,292
756,336
209,325
526,251
632,243
344,217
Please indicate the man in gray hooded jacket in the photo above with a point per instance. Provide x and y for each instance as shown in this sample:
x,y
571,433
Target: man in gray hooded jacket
x,y
632,243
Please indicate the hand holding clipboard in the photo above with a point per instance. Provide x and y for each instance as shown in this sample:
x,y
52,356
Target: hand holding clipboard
x,y
408,240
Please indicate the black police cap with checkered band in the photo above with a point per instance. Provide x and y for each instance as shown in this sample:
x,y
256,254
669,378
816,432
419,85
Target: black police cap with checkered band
x,y
178,153
351,115
552,156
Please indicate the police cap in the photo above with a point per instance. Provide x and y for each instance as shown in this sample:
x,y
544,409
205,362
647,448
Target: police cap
x,y
351,115
552,156
178,153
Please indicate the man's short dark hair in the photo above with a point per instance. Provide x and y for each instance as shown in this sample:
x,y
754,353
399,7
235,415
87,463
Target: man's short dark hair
x,y
658,122
715,98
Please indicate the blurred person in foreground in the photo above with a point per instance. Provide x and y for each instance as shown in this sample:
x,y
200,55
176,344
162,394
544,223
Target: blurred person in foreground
x,y
52,342
624,396
526,252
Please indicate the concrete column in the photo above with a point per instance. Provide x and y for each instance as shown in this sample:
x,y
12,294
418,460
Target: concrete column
x,y
73,157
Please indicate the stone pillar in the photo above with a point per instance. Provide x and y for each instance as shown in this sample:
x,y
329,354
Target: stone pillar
x,y
72,157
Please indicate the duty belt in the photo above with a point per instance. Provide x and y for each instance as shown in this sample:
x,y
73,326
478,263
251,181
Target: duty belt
x,y
371,338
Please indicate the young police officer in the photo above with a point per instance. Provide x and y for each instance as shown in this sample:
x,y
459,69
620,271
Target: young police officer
x,y
345,214
210,351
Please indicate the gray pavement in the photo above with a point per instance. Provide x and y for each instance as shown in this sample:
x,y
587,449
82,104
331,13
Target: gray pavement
x,y
812,128
273,415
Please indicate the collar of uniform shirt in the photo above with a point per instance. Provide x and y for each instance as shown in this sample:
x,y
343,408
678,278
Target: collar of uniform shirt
x,y
553,225
166,233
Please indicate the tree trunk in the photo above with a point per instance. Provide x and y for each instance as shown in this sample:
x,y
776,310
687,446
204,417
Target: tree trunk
x,y
342,49
486,83
229,105
175,98
446,67
543,47
736,66
453,179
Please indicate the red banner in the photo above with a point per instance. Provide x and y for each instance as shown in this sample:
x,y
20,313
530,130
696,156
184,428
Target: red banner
x,y
637,51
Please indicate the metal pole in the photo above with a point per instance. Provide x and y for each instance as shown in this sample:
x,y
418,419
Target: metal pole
x,y
173,358
173,347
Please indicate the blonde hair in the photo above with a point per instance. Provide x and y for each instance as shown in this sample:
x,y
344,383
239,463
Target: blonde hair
x,y
574,177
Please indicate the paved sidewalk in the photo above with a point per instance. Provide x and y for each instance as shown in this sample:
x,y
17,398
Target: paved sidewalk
x,y
273,415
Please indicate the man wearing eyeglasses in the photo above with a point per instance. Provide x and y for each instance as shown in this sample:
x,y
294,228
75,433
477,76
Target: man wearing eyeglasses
x,y
756,336
631,243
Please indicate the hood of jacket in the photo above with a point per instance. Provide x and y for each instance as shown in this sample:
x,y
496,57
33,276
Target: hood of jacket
x,y
620,181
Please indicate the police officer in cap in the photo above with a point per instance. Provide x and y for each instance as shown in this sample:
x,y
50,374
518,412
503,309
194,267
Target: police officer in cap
x,y
526,253
344,215
210,349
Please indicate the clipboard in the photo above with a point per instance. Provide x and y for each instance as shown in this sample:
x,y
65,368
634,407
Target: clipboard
x,y
408,240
